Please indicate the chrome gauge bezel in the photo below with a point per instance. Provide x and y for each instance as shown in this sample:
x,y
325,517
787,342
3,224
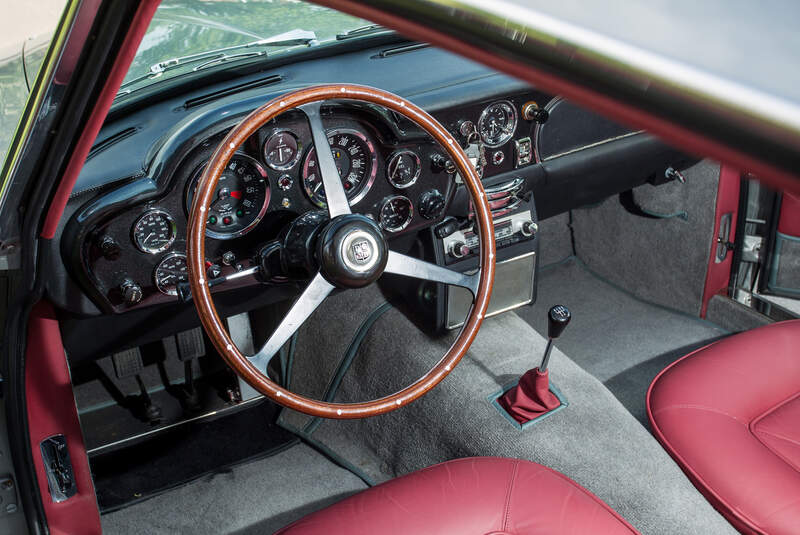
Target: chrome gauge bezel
x,y
169,256
370,180
189,198
508,135
173,231
397,154
407,222
298,155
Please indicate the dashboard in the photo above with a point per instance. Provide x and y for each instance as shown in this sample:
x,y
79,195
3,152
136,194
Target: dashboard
x,y
122,239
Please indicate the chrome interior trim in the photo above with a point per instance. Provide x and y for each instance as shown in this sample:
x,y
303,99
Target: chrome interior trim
x,y
496,307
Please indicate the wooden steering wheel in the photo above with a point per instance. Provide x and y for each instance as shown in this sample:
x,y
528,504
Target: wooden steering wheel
x,y
349,250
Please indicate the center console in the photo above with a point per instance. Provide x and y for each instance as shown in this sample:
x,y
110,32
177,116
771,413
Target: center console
x,y
454,244
517,245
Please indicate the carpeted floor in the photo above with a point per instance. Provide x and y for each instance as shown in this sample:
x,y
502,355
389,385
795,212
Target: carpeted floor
x,y
621,340
255,498
595,440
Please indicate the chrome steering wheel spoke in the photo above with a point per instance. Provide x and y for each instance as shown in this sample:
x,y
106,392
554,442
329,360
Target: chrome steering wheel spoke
x,y
314,294
408,266
335,196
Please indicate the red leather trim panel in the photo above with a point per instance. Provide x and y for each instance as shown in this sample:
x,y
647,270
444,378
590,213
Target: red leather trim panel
x,y
675,135
710,411
137,30
51,411
718,275
481,495
789,222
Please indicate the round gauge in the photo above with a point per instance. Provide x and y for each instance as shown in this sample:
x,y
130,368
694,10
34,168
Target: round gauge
x,y
396,213
154,231
282,150
239,200
169,272
355,159
497,123
403,169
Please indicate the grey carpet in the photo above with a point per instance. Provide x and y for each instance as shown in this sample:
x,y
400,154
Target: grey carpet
x,y
555,240
661,260
256,498
621,340
733,315
594,440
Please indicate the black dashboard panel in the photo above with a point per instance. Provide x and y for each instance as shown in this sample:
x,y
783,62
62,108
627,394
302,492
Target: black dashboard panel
x,y
146,157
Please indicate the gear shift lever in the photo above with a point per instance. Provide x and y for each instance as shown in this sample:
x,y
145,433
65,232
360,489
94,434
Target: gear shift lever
x,y
532,397
557,320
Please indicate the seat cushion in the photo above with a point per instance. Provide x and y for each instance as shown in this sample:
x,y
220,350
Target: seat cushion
x,y
478,495
729,414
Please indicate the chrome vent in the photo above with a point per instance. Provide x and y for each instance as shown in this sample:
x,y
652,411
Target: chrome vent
x,y
503,198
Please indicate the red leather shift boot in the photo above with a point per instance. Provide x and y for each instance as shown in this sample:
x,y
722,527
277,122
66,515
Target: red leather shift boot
x,y
530,398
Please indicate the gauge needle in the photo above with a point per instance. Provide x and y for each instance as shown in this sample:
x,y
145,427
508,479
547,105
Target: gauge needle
x,y
147,239
236,194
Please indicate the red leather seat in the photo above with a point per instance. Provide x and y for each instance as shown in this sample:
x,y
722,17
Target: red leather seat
x,y
729,414
478,495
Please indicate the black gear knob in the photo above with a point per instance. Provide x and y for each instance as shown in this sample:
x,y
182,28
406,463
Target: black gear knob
x,y
557,320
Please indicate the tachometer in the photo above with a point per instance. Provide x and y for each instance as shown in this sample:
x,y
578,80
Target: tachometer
x,y
396,213
497,123
154,232
169,272
282,150
355,159
239,200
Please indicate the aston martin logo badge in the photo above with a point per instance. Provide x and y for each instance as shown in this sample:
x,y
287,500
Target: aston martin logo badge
x,y
362,251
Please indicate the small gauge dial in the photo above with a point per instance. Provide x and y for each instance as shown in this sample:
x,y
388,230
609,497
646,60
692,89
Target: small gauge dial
x,y
403,169
355,159
396,213
239,201
282,150
169,272
497,123
154,232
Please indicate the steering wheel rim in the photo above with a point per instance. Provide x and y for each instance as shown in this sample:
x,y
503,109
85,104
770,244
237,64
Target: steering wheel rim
x,y
309,101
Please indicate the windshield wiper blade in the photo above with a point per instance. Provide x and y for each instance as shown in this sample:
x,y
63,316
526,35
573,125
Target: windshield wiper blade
x,y
362,31
220,55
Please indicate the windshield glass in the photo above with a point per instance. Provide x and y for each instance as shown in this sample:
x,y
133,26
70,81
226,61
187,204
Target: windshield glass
x,y
185,27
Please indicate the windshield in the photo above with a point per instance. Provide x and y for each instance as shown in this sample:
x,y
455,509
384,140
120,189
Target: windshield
x,y
185,27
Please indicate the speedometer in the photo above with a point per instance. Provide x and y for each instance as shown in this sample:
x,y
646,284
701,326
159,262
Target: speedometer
x,y
355,159
497,123
239,200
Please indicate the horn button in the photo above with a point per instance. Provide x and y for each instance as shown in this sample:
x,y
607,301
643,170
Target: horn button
x,y
352,251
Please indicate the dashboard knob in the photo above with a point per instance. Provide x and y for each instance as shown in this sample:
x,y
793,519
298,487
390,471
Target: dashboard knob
x,y
131,291
431,204
528,228
109,247
458,249
532,112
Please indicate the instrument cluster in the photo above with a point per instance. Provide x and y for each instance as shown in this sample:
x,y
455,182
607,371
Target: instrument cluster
x,y
390,171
